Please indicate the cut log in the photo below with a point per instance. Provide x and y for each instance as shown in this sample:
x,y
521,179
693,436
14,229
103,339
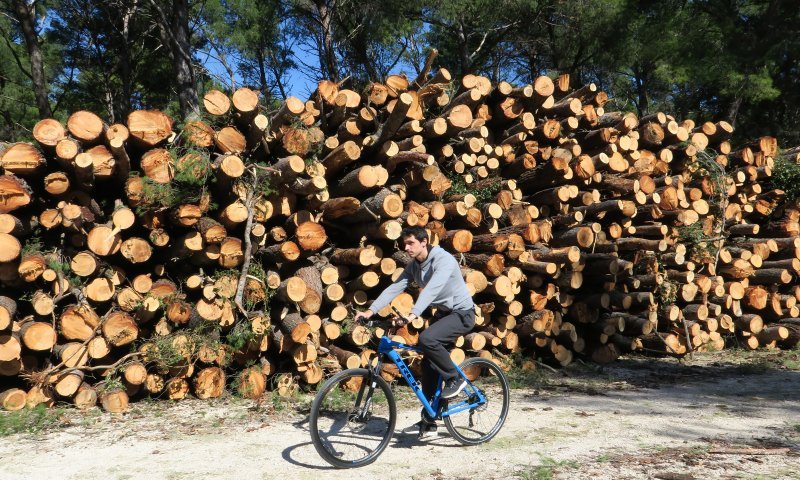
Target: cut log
x,y
119,329
13,399
209,383
295,327
38,336
149,128
8,309
311,236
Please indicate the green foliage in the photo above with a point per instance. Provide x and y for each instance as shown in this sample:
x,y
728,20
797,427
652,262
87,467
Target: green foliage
x,y
457,185
112,382
482,195
347,325
240,335
667,292
256,269
487,194
35,420
194,169
545,470
256,298
32,245
523,373
189,184
786,176
286,404
521,378
59,266
253,35
361,40
157,196
699,247
180,347
225,272
264,187
18,111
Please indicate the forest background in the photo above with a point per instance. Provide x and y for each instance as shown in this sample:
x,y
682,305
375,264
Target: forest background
x,y
734,60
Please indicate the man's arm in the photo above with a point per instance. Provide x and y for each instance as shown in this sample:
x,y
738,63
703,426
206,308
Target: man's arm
x,y
391,291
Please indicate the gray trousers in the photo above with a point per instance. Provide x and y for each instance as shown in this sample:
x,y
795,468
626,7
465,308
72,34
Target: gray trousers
x,y
443,330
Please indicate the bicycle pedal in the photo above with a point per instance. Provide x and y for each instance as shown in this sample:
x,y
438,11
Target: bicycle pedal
x,y
428,432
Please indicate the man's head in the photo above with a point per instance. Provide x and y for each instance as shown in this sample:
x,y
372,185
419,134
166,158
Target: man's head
x,y
415,242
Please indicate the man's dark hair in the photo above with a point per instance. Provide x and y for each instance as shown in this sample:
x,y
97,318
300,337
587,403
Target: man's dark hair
x,y
417,232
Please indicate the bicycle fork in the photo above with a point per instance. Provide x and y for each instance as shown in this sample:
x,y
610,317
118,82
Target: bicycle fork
x,y
362,412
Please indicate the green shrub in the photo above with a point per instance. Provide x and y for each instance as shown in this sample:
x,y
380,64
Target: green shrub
x,y
786,177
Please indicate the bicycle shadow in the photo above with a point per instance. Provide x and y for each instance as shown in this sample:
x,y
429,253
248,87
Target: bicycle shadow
x,y
290,452
301,453
409,440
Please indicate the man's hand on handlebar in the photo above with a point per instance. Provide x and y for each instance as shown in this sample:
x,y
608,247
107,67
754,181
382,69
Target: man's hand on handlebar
x,y
400,319
361,317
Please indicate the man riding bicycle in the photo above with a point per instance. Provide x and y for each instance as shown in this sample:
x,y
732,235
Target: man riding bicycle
x,y
443,287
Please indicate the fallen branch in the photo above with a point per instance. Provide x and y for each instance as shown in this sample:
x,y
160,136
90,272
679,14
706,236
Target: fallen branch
x,y
248,244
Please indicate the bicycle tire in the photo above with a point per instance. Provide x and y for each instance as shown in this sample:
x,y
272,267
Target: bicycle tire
x,y
341,439
481,425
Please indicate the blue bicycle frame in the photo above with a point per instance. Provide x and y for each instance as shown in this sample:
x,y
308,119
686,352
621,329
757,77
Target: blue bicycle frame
x,y
388,347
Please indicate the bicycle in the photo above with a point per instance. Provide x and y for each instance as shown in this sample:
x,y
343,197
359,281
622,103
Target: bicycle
x,y
354,413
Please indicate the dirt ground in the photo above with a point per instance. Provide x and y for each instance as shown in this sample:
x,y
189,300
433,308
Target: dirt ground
x,y
721,416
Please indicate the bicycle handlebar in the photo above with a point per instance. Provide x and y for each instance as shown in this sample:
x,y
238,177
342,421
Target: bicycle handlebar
x,y
385,323
379,322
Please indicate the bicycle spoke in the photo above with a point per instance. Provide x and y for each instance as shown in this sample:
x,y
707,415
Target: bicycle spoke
x,y
351,424
482,421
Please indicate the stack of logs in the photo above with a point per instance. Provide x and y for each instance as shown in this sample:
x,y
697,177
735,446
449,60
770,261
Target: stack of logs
x,y
149,259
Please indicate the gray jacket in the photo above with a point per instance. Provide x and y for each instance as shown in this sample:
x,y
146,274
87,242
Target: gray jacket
x,y
441,281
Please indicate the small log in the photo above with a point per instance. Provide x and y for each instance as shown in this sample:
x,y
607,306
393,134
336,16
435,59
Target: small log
x,y
209,383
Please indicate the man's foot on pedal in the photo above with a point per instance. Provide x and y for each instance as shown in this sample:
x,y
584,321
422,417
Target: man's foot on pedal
x,y
423,429
427,430
453,387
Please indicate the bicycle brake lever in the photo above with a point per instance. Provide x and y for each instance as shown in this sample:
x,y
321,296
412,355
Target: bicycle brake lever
x,y
399,315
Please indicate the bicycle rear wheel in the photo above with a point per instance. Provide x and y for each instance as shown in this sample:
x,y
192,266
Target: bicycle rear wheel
x,y
352,419
479,424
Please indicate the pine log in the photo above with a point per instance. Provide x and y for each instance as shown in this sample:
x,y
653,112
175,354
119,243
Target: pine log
x,y
13,399
37,336
149,128
209,383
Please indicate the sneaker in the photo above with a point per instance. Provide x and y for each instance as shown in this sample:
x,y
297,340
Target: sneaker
x,y
453,387
426,430
423,429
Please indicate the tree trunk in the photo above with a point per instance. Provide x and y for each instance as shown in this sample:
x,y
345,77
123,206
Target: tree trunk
x,y
26,16
175,30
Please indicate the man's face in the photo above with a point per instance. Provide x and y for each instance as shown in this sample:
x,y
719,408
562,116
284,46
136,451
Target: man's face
x,y
413,246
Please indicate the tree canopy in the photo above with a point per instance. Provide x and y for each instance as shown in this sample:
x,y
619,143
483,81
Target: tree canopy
x,y
736,60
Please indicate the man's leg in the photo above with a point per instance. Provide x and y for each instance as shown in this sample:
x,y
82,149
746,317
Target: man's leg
x,y
440,332
437,359
429,377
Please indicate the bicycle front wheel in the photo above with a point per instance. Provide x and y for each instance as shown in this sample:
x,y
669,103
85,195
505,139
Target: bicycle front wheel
x,y
352,418
479,424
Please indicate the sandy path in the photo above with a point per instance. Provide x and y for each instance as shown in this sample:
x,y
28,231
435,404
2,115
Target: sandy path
x,y
634,419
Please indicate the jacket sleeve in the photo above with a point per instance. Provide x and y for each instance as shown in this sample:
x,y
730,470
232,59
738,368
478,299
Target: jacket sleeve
x,y
442,269
392,290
